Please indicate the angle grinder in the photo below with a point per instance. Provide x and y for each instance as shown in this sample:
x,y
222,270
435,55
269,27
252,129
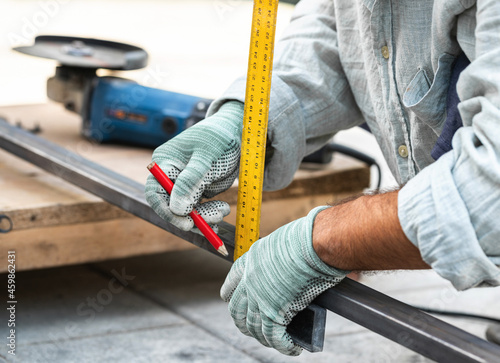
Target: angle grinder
x,y
113,109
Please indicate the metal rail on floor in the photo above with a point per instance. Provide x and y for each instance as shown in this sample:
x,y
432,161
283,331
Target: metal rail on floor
x,y
386,316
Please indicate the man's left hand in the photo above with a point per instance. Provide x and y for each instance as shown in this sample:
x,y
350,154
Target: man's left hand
x,y
278,277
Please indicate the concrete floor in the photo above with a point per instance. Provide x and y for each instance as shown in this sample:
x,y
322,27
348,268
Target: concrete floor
x,y
170,311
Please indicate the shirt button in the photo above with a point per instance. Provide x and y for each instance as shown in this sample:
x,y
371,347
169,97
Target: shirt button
x,y
403,151
385,52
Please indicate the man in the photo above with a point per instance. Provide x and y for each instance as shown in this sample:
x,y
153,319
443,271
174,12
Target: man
x,y
342,63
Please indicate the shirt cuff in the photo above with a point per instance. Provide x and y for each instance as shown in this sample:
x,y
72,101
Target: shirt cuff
x,y
435,219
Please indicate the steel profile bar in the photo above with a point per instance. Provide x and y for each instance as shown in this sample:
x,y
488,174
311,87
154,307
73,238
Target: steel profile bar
x,y
94,178
384,315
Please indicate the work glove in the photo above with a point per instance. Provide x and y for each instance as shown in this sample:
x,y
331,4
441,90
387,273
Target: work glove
x,y
202,161
278,277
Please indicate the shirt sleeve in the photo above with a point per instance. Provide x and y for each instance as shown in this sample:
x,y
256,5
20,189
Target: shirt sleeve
x,y
310,96
451,210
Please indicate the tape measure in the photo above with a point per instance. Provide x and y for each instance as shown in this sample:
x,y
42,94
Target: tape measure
x,y
253,141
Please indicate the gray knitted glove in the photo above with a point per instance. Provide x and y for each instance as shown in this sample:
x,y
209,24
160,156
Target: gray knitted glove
x,y
202,162
278,277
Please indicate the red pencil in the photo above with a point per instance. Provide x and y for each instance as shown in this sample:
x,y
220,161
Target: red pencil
x,y
199,222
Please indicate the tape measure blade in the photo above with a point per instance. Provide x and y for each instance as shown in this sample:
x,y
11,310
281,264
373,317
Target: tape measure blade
x,y
258,89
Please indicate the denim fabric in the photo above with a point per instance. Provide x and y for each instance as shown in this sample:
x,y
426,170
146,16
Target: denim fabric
x,y
453,119
343,62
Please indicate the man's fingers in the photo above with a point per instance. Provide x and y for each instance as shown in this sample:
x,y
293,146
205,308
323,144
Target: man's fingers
x,y
279,339
238,309
233,279
254,323
153,189
213,212
189,187
220,186
223,173
166,206
160,200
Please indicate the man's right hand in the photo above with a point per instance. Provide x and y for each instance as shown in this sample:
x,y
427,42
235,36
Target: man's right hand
x,y
202,162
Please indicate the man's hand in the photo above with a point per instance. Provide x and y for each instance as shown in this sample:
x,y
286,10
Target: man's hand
x,y
278,277
283,272
202,161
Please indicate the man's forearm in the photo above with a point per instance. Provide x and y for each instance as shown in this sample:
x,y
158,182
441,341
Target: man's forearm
x,y
365,234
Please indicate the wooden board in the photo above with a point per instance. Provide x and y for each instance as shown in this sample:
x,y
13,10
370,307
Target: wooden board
x,y
56,223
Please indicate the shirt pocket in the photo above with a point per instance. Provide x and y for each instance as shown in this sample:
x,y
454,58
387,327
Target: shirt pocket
x,y
428,100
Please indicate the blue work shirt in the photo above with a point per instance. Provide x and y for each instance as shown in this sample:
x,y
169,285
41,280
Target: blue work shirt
x,y
343,62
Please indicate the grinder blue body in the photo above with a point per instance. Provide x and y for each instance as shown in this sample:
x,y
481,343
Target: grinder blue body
x,y
122,111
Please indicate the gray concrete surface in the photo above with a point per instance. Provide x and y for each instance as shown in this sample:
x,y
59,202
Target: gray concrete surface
x,y
170,311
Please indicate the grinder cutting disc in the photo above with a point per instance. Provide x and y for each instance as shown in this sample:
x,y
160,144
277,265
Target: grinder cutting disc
x,y
87,53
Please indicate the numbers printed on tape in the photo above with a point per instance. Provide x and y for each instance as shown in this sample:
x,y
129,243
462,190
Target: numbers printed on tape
x,y
253,144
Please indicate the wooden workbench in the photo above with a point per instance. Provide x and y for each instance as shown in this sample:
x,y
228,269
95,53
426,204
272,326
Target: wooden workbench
x,y
56,223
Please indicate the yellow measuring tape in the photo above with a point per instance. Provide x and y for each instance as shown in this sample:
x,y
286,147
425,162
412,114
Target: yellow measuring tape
x,y
253,141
